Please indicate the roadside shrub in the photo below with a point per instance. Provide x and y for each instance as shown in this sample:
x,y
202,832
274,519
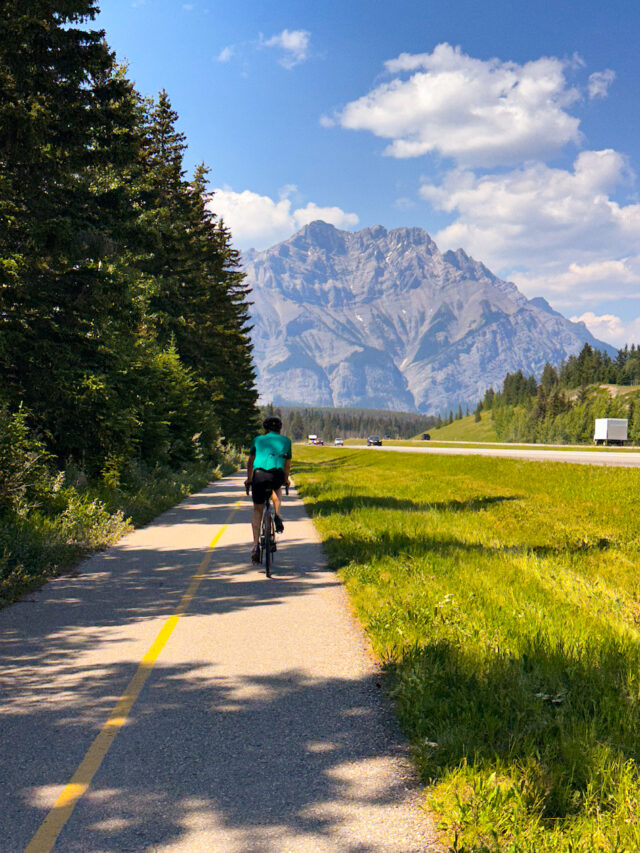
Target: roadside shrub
x,y
88,524
52,521
25,464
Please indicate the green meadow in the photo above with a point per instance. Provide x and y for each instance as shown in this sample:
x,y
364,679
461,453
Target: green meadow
x,y
466,429
503,598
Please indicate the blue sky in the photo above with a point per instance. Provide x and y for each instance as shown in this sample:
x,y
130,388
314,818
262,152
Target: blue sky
x,y
508,128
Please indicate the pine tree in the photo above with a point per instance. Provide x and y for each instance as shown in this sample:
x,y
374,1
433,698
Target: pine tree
x,y
199,298
549,379
634,421
123,312
489,394
68,119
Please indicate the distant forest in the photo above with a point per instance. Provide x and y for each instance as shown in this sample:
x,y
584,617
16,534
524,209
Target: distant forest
x,y
329,424
564,404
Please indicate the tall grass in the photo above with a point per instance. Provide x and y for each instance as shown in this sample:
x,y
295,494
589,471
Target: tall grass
x,y
73,517
504,599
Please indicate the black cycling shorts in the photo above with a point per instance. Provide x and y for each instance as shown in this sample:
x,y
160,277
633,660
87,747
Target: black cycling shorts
x,y
265,480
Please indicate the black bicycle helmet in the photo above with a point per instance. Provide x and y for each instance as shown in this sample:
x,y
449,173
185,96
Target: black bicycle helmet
x,y
273,422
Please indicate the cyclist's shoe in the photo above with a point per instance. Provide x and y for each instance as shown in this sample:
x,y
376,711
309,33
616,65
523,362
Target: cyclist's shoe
x,y
255,555
279,524
273,547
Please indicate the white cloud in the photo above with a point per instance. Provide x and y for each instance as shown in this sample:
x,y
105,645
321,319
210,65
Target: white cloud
x,y
257,221
405,203
226,53
559,232
610,328
481,113
583,283
599,83
561,226
294,43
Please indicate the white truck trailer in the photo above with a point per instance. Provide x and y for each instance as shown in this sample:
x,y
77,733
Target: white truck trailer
x,y
610,430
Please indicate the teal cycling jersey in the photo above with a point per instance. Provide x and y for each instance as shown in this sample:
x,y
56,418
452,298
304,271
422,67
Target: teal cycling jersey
x,y
270,451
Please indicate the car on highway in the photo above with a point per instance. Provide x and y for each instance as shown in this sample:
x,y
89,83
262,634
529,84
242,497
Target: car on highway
x,y
374,441
339,442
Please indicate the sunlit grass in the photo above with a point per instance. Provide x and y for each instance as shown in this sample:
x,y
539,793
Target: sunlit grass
x,y
504,599
466,429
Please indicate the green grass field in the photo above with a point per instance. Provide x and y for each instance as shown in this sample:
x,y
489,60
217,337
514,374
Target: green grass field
x,y
503,598
466,429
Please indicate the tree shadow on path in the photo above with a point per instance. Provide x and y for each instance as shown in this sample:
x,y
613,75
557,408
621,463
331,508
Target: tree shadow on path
x,y
255,758
256,761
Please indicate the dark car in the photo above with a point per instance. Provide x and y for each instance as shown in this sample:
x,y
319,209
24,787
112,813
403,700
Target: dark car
x,y
374,440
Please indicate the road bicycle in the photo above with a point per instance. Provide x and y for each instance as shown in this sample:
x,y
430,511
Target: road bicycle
x,y
267,538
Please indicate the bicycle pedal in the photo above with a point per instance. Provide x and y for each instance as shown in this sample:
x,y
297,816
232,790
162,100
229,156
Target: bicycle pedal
x,y
274,547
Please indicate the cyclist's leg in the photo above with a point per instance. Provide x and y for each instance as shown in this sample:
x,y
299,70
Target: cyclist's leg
x,y
256,520
277,498
258,493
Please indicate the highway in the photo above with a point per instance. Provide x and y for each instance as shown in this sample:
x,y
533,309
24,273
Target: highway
x,y
576,457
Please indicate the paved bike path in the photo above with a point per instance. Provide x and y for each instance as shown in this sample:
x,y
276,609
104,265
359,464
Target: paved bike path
x,y
260,728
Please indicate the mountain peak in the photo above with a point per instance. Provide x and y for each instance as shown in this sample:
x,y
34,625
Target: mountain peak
x,y
318,233
375,232
318,228
381,318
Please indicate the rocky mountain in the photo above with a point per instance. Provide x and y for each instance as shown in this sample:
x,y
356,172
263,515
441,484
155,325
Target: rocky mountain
x,y
383,319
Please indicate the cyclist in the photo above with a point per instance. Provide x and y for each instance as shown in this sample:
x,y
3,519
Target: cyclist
x,y
267,468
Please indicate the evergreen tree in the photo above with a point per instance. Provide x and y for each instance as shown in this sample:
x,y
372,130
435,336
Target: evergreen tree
x,y
123,313
69,127
199,298
549,379
634,421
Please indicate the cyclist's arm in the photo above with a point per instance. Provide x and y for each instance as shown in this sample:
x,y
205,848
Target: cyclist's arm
x,y
287,468
252,454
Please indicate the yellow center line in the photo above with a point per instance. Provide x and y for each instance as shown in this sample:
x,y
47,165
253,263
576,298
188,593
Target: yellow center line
x,y
51,827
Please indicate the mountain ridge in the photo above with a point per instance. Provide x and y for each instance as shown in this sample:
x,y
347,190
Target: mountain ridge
x,y
381,318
